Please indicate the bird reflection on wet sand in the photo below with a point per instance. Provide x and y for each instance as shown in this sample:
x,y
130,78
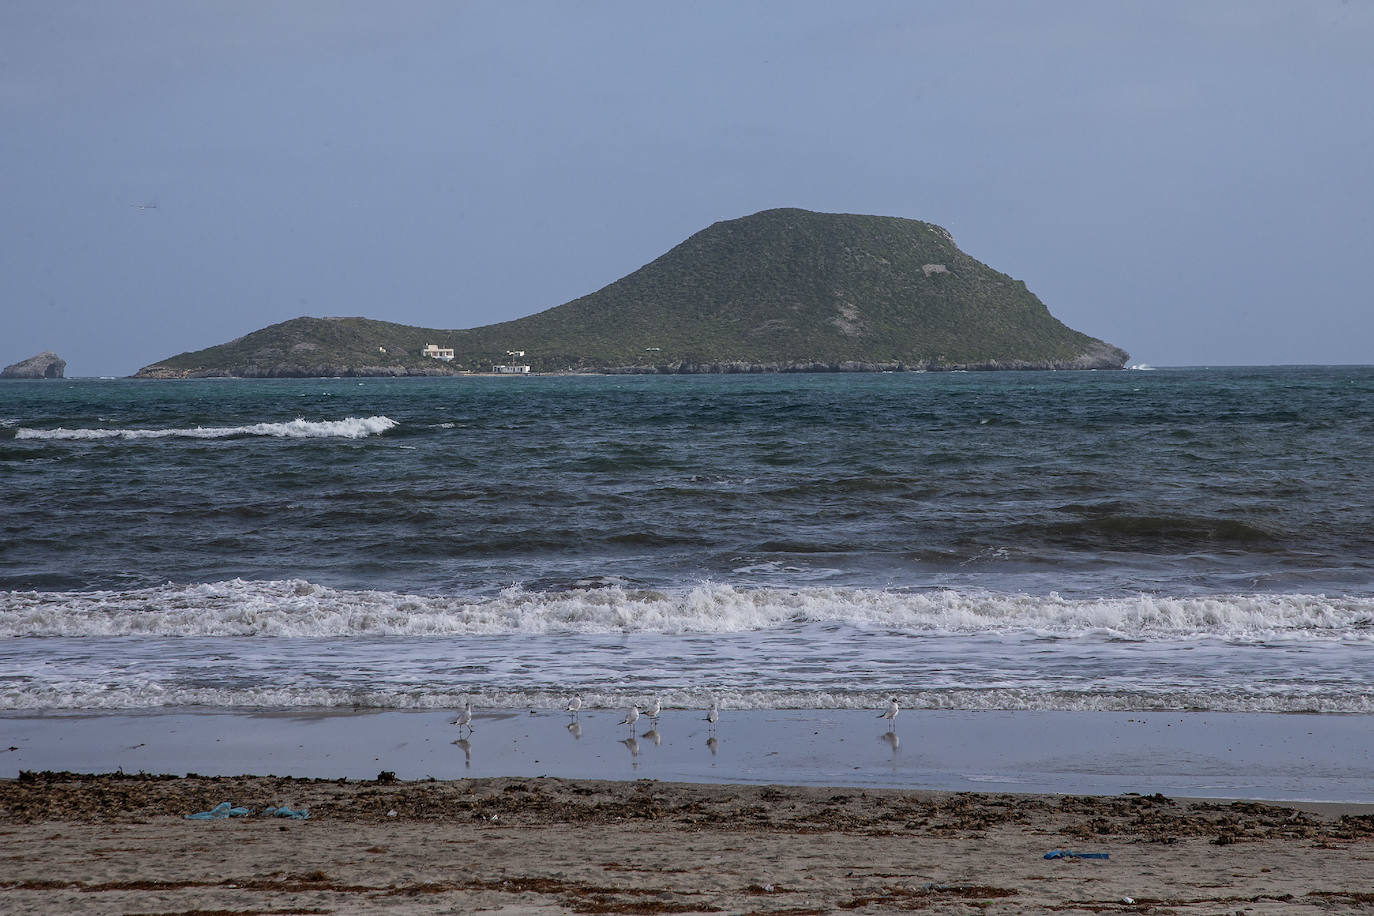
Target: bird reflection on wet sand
x,y
892,740
633,744
712,743
575,729
466,746
653,735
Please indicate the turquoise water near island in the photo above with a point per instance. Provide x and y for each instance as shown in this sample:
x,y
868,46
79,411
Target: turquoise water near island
x,y
1196,539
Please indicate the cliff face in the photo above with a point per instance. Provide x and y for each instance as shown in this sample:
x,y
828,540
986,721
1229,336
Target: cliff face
x,y
779,291
45,365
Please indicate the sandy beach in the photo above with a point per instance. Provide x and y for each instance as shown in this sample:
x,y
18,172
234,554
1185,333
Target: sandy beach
x,y
769,811
120,844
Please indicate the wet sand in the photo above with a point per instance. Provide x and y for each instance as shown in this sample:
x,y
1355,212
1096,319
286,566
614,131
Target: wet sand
x,y
119,844
1224,755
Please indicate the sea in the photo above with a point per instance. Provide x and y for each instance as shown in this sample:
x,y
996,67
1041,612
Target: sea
x,y
1170,539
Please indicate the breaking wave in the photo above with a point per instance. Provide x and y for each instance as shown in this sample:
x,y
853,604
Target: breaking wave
x,y
349,428
299,609
105,696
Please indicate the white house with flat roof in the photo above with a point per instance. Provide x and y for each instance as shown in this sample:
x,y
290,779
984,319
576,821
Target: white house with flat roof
x,y
434,351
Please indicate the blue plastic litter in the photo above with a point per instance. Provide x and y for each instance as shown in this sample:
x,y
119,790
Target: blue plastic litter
x,y
1070,854
299,814
223,809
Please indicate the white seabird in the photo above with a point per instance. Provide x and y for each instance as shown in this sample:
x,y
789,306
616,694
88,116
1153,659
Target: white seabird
x,y
653,711
713,714
631,717
464,718
890,714
575,704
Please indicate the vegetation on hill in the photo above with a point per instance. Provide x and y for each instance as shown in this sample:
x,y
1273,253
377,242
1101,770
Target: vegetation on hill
x,y
781,290
312,347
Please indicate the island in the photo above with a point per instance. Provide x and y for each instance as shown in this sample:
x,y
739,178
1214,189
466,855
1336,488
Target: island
x,y
783,290
45,365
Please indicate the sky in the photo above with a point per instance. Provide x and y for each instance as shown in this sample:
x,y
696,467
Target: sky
x,y
1192,181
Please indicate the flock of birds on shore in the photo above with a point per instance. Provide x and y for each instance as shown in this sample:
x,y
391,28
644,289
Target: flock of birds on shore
x,y
652,713
574,709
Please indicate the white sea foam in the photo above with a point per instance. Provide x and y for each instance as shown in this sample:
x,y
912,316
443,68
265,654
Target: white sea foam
x,y
295,608
349,428
294,644
105,695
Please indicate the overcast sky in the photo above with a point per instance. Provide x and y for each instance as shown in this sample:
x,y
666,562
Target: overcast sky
x,y
1192,181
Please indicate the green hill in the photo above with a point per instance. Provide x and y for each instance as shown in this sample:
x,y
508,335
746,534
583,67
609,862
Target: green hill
x,y
781,290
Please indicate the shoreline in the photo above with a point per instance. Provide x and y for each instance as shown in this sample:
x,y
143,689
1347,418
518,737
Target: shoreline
x,y
121,843
1292,757
849,367
52,796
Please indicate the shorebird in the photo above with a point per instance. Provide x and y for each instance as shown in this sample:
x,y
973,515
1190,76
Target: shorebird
x,y
464,718
631,717
713,714
890,714
575,704
653,711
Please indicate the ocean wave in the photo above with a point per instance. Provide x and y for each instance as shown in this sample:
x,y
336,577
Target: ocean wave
x,y
1162,529
296,608
677,702
348,428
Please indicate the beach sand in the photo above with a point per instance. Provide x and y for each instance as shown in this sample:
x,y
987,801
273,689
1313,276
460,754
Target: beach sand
x,y
537,813
120,844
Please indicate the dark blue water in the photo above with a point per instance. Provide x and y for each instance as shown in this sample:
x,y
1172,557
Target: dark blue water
x,y
1185,482
1034,539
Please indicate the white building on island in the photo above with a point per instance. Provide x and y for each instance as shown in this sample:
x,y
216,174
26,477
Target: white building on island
x,y
434,351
